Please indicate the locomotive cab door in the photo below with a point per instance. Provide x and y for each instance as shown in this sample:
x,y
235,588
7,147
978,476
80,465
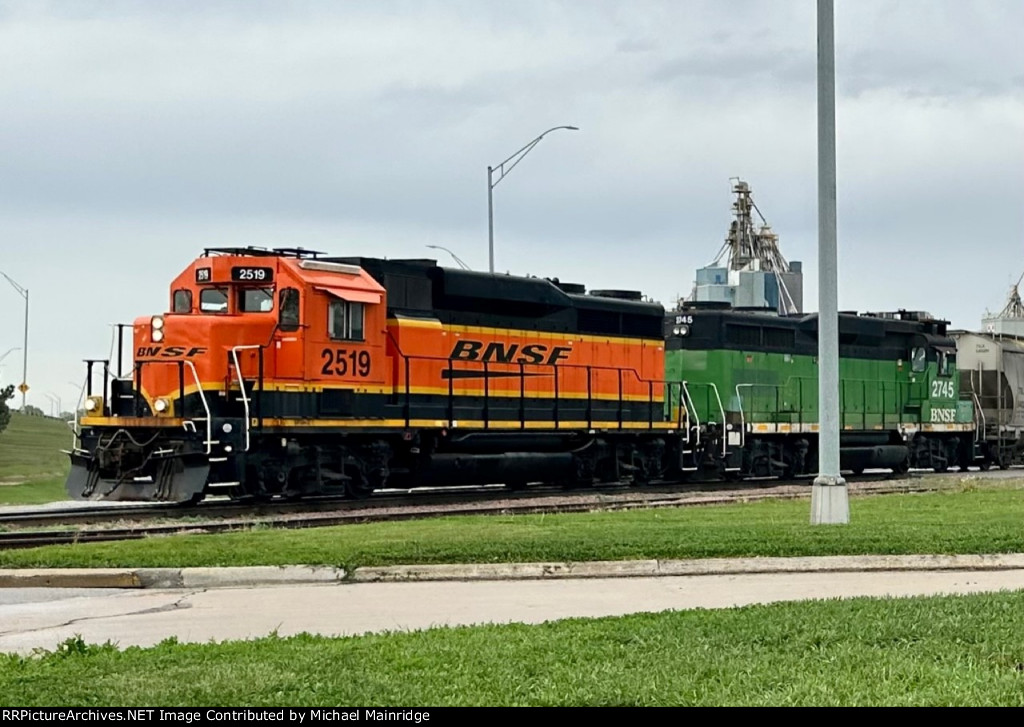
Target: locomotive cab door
x,y
289,361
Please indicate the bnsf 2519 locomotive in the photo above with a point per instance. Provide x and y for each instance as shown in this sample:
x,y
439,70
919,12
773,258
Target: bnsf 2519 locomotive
x,y
284,373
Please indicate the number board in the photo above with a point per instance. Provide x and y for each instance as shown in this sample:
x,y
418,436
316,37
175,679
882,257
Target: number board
x,y
202,275
252,275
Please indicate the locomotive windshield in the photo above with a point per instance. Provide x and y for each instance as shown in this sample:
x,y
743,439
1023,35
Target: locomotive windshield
x,y
918,357
947,362
183,301
255,300
213,300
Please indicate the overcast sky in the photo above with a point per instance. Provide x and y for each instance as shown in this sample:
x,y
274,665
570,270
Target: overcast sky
x,y
133,134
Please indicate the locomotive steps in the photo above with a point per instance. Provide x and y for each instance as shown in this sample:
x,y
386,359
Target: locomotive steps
x,y
325,575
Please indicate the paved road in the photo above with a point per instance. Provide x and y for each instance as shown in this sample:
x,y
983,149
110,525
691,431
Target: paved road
x,y
41,618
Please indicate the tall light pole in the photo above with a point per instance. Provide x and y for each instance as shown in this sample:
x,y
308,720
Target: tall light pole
x,y
23,292
502,171
455,257
829,499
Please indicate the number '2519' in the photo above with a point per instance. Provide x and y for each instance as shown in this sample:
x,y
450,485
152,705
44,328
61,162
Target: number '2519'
x,y
342,362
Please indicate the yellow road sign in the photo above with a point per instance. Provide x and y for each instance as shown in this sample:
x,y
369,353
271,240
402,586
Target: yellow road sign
x,y
23,388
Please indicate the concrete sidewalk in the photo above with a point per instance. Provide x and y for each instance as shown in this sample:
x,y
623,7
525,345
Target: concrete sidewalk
x,y
304,574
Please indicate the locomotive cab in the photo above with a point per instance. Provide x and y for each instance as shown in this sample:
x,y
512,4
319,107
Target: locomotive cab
x,y
246,335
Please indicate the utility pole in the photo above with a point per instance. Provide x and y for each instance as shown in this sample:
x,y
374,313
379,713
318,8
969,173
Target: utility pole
x,y
511,162
23,387
830,503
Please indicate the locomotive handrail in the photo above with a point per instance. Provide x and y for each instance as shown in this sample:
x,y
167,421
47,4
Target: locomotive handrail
x,y
721,409
696,417
589,368
241,385
739,397
181,384
74,423
206,407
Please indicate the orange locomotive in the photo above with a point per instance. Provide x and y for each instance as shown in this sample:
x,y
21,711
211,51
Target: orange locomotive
x,y
286,373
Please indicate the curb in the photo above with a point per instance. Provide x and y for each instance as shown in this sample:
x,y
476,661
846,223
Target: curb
x,y
701,567
171,577
312,575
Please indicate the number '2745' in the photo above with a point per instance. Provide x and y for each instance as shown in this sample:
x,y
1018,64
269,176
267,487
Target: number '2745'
x,y
342,362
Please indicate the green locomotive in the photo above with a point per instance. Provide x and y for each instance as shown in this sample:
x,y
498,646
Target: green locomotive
x,y
749,392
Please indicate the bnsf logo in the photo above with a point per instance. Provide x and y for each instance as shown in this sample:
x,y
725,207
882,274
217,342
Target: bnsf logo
x,y
532,353
167,351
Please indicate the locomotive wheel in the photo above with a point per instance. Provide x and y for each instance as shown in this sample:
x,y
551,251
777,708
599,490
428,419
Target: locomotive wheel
x,y
357,486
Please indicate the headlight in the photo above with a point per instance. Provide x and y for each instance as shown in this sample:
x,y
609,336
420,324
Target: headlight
x,y
160,405
227,427
157,322
158,336
91,404
675,331
683,331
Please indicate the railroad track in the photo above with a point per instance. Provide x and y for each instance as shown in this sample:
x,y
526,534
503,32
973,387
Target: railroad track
x,y
566,503
217,510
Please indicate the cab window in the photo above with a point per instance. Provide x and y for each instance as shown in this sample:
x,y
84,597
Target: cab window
x,y
255,300
345,320
918,360
213,300
288,306
182,301
947,362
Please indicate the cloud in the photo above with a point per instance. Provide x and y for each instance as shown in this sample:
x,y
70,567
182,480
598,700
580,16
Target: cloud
x,y
134,134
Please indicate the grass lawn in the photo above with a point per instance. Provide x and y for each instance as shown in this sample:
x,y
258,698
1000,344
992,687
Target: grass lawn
x,y
32,467
973,520
34,492
940,651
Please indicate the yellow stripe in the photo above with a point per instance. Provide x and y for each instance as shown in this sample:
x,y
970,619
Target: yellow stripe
x,y
659,396
456,391
415,323
162,422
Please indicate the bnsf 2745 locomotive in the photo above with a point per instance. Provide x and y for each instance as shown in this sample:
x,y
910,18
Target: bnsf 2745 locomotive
x,y
283,373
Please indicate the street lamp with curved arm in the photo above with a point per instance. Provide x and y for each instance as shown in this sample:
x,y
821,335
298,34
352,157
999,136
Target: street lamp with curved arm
x,y
454,256
9,351
23,292
511,162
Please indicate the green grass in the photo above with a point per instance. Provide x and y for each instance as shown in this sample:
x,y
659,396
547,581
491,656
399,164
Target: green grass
x,y
31,461
942,651
989,520
34,492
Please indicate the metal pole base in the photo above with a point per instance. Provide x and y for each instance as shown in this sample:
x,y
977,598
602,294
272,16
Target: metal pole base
x,y
830,501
